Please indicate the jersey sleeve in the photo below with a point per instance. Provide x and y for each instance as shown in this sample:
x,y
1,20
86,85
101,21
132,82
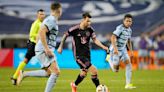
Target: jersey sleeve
x,y
71,31
93,34
117,32
49,23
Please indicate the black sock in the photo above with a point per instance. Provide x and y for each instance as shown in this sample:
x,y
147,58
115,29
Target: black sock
x,y
95,80
79,79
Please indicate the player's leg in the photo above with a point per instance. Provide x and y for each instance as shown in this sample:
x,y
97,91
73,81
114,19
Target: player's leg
x,y
84,65
30,53
34,73
44,72
78,80
128,73
80,77
49,68
114,62
94,75
20,67
51,64
54,69
37,73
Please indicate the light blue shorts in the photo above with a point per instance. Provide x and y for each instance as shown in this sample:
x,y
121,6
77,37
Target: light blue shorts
x,y
122,56
45,60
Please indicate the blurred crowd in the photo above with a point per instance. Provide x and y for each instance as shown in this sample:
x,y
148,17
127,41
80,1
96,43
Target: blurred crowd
x,y
150,51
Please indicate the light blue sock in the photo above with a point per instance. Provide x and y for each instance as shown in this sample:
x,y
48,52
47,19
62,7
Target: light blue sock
x,y
35,73
51,82
114,62
128,74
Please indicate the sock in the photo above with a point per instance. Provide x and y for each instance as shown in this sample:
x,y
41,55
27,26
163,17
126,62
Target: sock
x,y
111,65
114,62
51,82
35,73
95,80
79,79
128,73
20,67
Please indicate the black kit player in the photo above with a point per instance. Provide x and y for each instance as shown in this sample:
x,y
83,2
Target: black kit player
x,y
81,34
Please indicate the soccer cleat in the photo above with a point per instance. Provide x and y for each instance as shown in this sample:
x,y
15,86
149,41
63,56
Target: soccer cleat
x,y
129,86
107,57
73,86
20,77
14,81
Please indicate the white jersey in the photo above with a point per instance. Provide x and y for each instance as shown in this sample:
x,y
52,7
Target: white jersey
x,y
123,34
51,23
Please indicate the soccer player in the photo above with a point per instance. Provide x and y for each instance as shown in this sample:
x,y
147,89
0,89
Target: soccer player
x,y
81,34
118,51
44,49
30,44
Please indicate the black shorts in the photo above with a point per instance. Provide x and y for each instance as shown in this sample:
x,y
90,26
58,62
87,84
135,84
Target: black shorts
x,y
83,62
30,50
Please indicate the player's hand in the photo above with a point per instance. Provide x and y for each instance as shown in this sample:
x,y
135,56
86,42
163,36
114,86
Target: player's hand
x,y
116,52
49,52
59,50
106,48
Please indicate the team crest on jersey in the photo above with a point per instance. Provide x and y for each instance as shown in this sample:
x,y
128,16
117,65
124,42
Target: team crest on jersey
x,y
78,34
88,34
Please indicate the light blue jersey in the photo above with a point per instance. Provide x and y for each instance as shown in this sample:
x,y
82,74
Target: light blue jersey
x,y
51,23
123,34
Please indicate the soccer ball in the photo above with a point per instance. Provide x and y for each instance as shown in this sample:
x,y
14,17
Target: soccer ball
x,y
102,88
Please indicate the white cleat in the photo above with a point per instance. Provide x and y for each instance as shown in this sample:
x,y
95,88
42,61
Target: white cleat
x,y
20,77
129,86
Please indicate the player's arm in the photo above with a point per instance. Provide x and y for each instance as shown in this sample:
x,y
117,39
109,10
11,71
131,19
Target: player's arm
x,y
70,32
115,34
42,35
60,49
113,41
98,43
129,45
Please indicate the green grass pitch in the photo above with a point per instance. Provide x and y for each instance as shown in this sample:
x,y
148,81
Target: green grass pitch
x,y
145,81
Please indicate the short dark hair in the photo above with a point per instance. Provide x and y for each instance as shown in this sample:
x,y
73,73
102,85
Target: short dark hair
x,y
86,14
40,10
128,16
55,6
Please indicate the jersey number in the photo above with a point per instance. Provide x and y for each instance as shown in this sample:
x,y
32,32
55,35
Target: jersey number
x,y
83,40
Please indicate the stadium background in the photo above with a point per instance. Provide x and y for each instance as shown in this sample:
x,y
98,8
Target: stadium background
x,y
16,17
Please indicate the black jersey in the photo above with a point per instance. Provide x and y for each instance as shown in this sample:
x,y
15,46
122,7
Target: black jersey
x,y
81,39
